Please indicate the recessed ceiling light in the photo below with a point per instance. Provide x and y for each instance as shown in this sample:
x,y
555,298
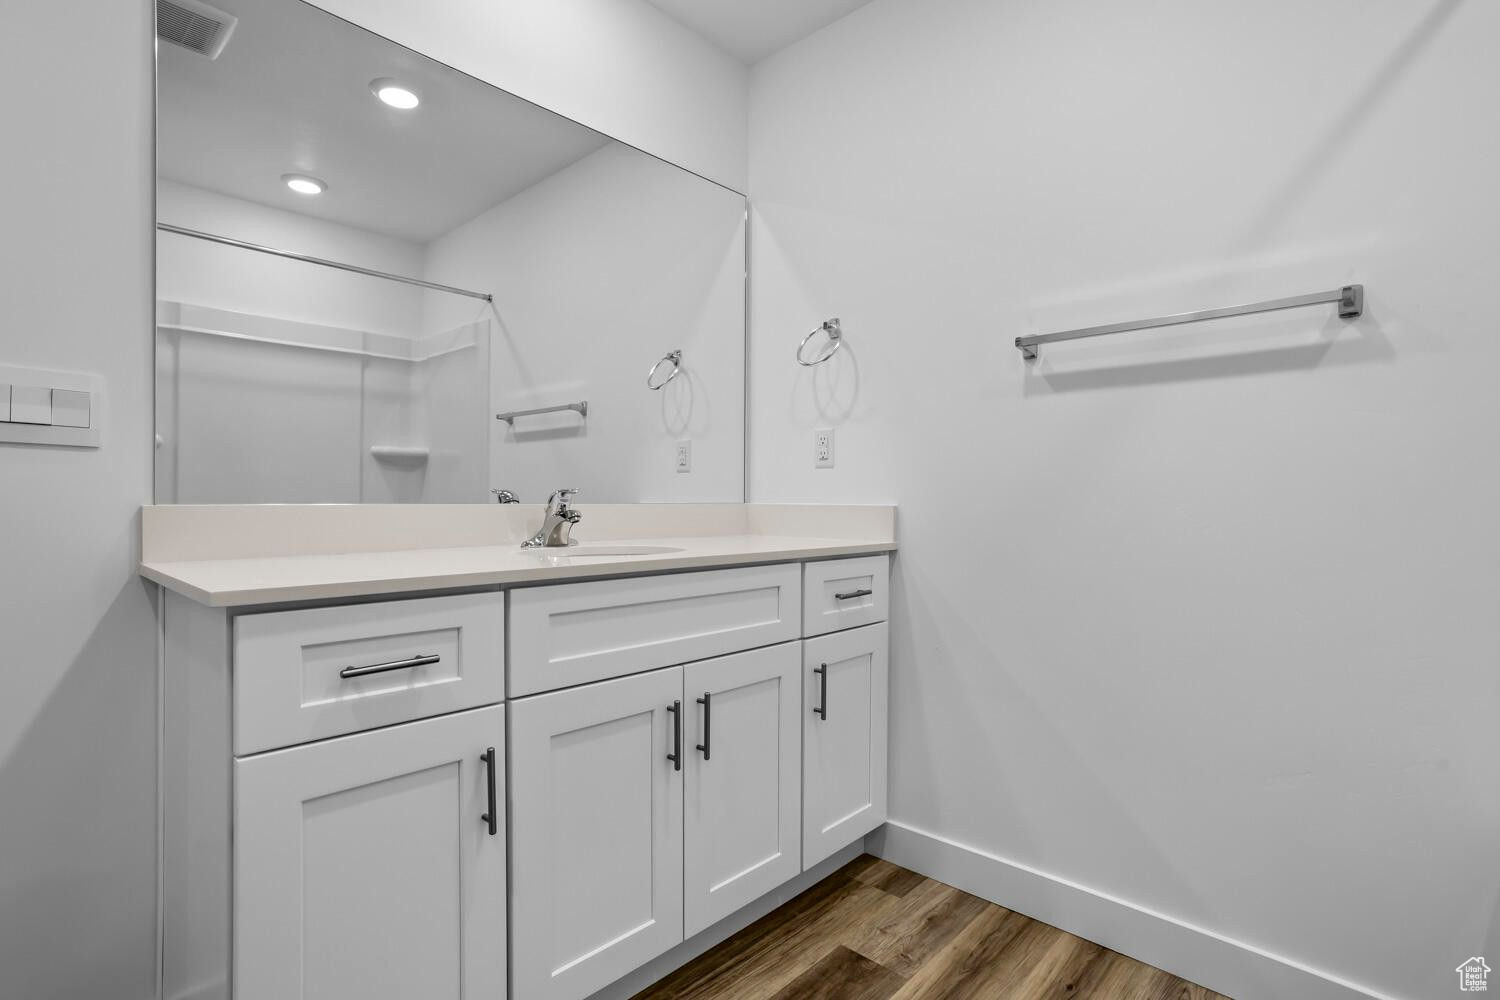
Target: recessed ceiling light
x,y
303,184
394,94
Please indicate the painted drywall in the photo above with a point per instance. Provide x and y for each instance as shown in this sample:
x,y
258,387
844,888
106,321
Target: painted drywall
x,y
1202,619
78,716
597,272
619,66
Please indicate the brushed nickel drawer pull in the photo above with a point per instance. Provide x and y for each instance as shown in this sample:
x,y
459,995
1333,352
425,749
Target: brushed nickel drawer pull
x,y
850,594
420,660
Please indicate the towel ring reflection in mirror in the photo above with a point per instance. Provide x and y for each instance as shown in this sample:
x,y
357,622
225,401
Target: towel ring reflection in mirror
x,y
835,340
674,358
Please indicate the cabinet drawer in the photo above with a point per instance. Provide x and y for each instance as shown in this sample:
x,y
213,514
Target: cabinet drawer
x,y
305,675
843,593
576,633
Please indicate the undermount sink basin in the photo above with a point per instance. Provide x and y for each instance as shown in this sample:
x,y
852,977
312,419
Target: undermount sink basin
x,y
588,551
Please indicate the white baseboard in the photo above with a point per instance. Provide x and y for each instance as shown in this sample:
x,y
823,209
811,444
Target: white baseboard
x,y
659,967
1222,964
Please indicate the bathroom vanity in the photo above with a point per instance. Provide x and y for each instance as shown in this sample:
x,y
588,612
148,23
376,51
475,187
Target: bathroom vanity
x,y
466,770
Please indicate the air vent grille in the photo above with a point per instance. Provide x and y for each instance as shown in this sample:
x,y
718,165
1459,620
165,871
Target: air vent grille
x,y
194,25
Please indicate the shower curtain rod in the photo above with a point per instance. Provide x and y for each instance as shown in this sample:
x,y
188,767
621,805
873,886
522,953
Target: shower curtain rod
x,y
214,238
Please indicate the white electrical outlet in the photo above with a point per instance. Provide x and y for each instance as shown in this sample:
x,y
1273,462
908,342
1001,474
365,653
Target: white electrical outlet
x,y
823,448
684,456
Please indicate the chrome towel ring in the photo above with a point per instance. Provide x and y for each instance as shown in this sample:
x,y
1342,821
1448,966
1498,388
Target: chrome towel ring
x,y
672,357
835,337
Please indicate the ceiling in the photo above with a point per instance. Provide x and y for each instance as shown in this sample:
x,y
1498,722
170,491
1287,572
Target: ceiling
x,y
291,94
753,29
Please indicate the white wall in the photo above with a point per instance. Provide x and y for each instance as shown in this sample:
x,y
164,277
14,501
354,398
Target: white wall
x,y
597,272
77,718
1203,619
619,66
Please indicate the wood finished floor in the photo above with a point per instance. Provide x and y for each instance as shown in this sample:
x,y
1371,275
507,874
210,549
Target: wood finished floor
x,y
873,931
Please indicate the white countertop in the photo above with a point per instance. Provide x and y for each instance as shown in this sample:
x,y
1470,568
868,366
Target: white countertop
x,y
242,582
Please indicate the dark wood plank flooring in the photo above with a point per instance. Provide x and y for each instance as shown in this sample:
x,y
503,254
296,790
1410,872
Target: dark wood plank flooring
x,y
873,931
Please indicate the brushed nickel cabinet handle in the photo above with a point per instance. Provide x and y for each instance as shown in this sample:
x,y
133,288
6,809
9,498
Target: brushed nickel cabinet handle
x,y
420,660
850,594
822,710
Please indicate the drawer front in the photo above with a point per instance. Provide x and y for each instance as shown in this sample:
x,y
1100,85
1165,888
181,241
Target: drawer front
x,y
844,593
306,675
577,633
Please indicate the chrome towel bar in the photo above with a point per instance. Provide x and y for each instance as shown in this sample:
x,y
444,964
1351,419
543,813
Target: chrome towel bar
x,y
1350,300
581,407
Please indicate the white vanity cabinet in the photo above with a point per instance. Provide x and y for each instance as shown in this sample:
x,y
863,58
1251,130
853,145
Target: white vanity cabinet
x,y
529,792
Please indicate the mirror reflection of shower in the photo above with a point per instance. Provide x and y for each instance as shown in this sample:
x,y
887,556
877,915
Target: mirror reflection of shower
x,y
355,364
256,407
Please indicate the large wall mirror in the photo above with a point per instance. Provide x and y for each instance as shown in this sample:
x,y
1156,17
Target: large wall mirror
x,y
308,167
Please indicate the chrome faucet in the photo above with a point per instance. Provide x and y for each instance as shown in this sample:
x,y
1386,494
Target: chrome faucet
x,y
557,523
505,496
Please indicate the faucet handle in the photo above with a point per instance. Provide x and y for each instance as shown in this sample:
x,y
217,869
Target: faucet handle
x,y
505,496
559,498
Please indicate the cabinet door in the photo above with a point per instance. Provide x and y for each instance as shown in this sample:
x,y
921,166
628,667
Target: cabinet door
x,y
743,820
364,869
844,739
596,832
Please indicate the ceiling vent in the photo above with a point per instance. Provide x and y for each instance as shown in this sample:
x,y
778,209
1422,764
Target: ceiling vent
x,y
194,25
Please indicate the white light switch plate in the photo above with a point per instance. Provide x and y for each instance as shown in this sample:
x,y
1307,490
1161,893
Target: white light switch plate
x,y
31,404
684,456
70,408
82,397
